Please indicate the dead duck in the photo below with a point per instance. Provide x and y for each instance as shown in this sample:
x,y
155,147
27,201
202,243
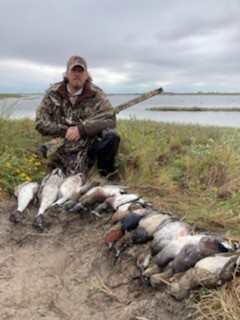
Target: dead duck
x,y
190,254
112,237
207,272
150,271
115,202
169,252
69,187
74,200
129,223
142,234
25,192
48,194
169,231
143,260
97,194
147,227
125,209
160,279
101,193
122,244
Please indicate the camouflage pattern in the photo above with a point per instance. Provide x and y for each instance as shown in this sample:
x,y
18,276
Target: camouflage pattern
x,y
56,113
52,146
72,162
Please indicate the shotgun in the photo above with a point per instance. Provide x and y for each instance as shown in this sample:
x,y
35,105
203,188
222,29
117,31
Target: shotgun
x,y
50,147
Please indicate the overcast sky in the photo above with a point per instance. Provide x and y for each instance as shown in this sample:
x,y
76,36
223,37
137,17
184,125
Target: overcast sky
x,y
131,46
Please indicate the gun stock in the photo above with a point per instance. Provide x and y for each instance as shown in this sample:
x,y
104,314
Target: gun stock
x,y
53,145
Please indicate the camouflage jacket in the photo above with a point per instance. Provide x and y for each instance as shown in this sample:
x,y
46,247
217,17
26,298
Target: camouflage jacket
x,y
56,113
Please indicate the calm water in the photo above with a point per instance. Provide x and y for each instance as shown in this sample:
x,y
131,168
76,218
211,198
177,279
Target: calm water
x,y
17,108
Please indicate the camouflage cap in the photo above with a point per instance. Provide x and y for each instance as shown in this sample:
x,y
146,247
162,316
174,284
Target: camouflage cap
x,y
76,61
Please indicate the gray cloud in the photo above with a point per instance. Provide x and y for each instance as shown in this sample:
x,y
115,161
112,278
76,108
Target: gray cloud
x,y
130,45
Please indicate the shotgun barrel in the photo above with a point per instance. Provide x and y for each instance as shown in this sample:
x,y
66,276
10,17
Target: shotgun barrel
x,y
53,145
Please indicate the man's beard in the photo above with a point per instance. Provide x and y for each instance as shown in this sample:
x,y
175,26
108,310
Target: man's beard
x,y
77,83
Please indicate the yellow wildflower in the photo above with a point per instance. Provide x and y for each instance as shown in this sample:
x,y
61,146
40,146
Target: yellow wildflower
x,y
38,163
28,178
8,165
22,175
17,171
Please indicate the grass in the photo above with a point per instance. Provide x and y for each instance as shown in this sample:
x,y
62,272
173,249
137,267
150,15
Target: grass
x,y
193,109
20,156
188,170
10,95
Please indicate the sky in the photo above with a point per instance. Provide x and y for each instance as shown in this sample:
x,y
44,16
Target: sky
x,y
131,46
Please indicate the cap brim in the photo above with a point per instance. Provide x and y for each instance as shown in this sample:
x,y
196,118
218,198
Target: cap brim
x,y
77,65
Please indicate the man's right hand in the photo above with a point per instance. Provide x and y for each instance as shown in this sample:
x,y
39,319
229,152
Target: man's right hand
x,y
72,134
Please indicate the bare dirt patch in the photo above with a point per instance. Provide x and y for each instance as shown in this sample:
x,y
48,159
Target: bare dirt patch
x,y
67,272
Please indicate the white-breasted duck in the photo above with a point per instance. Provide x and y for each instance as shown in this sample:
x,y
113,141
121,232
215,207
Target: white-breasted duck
x,y
169,231
207,272
25,193
169,252
48,194
115,202
69,187
148,226
190,254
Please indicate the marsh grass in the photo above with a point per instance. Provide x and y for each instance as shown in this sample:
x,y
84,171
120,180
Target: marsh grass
x,y
194,109
220,304
187,170
20,156
10,95
7,110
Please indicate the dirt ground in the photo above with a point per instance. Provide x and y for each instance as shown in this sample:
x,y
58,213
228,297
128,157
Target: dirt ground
x,y
67,272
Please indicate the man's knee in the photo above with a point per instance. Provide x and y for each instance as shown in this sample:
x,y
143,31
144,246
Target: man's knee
x,y
109,140
110,134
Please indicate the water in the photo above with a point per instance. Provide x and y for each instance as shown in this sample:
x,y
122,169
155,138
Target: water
x,y
17,108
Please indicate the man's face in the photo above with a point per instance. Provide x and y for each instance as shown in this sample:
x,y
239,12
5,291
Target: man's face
x,y
77,77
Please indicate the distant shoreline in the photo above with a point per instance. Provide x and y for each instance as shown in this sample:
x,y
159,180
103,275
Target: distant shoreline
x,y
20,95
193,109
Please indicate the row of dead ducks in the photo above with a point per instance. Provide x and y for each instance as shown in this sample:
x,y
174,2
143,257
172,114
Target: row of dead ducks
x,y
174,255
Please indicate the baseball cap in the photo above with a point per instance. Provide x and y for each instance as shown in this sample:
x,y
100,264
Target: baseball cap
x,y
76,61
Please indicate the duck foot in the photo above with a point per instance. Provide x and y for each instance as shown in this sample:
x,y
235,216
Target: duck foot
x,y
39,222
16,217
77,208
55,211
96,213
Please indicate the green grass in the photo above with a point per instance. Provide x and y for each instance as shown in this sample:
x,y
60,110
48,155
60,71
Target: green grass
x,y
20,155
188,170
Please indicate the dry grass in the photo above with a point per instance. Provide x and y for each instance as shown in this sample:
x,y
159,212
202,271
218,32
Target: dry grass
x,y
220,304
100,286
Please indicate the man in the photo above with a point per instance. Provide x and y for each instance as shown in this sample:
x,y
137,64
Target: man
x,y
67,110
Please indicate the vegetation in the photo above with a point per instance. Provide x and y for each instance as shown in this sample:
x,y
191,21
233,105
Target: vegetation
x,y
192,109
20,159
10,95
187,170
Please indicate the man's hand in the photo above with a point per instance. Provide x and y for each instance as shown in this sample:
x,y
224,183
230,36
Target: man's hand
x,y
72,134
